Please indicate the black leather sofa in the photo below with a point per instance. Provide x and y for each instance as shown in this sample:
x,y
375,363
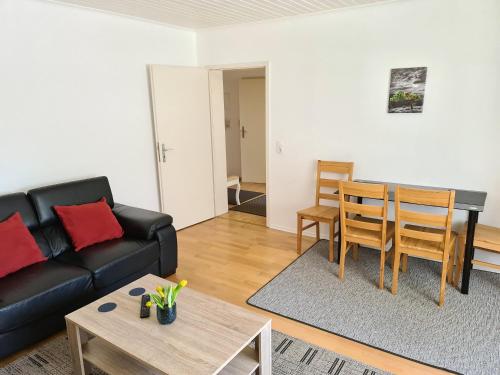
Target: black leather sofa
x,y
34,300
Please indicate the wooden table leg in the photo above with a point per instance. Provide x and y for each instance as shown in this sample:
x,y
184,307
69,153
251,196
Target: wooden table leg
x,y
75,340
264,351
469,251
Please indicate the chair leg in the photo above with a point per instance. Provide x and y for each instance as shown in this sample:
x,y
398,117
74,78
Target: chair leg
x,y
382,267
404,263
460,260
449,275
355,252
343,251
317,231
299,234
331,243
395,272
443,283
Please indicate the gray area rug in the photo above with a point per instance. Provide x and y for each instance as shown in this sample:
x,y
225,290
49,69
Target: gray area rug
x,y
245,195
255,206
463,336
290,357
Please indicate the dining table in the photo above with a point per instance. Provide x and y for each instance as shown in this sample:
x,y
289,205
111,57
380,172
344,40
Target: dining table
x,y
471,201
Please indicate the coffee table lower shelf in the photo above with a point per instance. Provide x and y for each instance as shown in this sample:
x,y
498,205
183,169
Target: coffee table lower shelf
x,y
113,361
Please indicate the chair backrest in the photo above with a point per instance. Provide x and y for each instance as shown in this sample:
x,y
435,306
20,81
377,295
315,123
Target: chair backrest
x,y
349,209
341,169
433,198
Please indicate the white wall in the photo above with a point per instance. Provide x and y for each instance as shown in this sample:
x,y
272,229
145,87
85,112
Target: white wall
x,y
74,97
329,78
328,82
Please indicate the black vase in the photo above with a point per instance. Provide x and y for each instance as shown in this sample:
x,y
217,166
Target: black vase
x,y
166,315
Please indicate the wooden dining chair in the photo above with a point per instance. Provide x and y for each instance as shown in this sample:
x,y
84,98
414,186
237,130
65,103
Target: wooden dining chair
x,y
320,213
425,235
364,224
485,238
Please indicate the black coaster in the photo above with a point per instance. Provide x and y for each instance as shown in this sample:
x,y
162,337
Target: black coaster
x,y
107,307
137,292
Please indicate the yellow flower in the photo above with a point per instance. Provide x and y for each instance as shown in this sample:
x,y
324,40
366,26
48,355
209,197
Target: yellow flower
x,y
183,283
159,289
149,304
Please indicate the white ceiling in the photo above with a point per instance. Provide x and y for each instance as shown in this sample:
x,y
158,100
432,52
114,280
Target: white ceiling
x,y
198,14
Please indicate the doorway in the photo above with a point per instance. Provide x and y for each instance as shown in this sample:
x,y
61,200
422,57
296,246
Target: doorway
x,y
245,135
191,134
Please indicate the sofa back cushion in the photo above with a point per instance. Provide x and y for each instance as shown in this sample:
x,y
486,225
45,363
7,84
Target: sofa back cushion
x,y
68,194
19,202
18,248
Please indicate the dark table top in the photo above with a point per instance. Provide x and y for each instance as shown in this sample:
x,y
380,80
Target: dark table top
x,y
468,200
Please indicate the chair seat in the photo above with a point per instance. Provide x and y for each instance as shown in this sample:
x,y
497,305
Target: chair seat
x,y
320,213
370,235
485,237
431,247
112,261
39,290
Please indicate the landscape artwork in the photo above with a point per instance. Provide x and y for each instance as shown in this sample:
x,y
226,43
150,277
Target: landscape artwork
x,y
407,89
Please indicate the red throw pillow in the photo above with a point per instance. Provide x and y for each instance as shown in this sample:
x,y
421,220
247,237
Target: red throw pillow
x,y
18,248
89,223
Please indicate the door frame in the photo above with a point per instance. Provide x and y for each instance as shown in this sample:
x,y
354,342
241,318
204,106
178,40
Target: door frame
x,y
253,65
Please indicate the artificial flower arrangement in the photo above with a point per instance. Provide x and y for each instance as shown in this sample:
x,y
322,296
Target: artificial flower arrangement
x,y
166,308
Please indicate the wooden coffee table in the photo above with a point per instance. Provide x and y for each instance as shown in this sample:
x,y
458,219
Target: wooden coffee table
x,y
209,336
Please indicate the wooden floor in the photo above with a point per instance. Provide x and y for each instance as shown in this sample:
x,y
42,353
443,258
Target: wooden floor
x,y
254,186
233,256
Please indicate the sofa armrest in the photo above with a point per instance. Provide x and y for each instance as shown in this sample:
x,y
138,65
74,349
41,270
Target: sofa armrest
x,y
141,223
167,238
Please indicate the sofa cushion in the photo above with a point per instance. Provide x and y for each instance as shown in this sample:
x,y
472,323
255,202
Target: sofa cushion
x,y
70,193
39,290
113,260
89,223
18,202
18,248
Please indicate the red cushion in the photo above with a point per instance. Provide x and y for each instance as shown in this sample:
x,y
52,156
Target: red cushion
x,y
18,248
89,223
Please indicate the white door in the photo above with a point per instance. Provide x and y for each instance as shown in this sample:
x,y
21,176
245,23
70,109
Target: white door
x,y
252,100
181,106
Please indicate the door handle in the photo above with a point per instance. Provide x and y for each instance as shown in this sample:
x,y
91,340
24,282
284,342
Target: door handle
x,y
243,132
164,150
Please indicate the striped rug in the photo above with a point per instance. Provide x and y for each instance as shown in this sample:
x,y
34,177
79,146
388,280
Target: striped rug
x,y
290,357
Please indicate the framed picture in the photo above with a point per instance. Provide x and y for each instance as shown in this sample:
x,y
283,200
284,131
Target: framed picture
x,y
407,90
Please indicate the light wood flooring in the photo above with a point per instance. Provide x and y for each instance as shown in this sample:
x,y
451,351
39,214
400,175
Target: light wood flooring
x,y
233,256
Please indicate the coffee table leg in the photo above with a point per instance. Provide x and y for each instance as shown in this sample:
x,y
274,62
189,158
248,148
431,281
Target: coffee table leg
x,y
75,346
263,347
